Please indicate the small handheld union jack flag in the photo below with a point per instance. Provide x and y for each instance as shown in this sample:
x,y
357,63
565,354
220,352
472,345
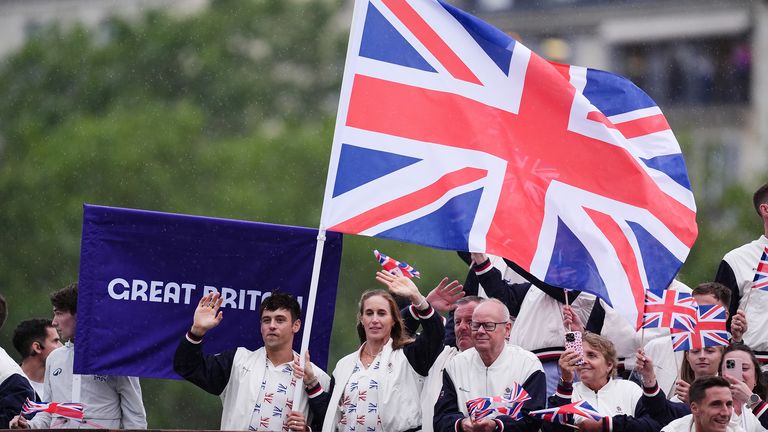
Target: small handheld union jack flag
x,y
68,410
708,331
561,414
761,273
673,310
396,267
494,406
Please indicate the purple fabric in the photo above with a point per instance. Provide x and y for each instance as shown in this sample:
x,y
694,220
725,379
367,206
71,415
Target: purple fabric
x,y
131,330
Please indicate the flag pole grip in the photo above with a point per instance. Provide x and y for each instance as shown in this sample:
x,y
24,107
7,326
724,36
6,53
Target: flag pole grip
x,y
307,325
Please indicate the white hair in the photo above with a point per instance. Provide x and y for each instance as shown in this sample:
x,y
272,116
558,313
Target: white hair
x,y
502,306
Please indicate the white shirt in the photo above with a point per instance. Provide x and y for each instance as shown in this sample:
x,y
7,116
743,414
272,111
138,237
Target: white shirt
x,y
110,402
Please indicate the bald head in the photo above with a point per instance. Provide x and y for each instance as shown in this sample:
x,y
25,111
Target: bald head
x,y
496,308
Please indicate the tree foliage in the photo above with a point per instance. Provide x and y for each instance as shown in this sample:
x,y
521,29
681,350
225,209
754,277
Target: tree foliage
x,y
227,113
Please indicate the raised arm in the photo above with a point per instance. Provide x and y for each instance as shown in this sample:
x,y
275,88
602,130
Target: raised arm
x,y
424,351
209,372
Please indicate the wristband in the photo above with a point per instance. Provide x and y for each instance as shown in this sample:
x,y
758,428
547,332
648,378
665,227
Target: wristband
x,y
311,384
422,305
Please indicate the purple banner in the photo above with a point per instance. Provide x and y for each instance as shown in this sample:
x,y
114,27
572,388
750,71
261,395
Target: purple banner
x,y
142,274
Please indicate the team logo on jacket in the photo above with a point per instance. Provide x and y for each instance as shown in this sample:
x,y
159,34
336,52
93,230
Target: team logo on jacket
x,y
57,372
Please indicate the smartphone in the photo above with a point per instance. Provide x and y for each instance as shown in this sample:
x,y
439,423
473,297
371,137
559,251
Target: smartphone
x,y
573,341
733,368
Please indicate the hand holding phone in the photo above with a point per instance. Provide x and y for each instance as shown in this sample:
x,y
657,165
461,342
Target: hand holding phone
x,y
573,341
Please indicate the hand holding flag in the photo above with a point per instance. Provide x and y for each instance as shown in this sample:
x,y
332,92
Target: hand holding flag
x,y
494,406
68,410
560,414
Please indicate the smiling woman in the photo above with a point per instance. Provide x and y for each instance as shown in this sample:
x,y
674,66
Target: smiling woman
x,y
378,386
616,399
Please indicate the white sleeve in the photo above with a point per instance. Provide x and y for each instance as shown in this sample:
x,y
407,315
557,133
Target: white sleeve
x,y
131,404
42,420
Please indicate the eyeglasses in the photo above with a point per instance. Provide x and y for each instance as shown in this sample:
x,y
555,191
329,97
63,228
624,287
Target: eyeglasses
x,y
488,326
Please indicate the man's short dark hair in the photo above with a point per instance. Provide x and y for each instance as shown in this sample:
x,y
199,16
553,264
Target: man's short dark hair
x,y
65,299
3,310
760,197
699,387
720,291
28,332
280,300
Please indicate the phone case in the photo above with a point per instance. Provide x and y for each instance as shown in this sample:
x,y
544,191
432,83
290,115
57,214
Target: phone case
x,y
733,368
573,341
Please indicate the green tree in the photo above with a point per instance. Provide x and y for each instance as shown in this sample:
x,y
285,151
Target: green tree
x,y
221,114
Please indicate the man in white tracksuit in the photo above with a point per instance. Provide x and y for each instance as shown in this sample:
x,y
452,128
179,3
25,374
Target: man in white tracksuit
x,y
711,408
491,368
110,402
737,271
257,388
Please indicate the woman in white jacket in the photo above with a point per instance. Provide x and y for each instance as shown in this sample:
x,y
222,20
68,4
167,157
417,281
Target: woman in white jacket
x,y
748,390
616,399
377,387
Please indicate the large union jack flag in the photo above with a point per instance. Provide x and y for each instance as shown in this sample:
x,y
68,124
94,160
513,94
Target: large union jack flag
x,y
708,331
672,309
564,414
761,273
452,135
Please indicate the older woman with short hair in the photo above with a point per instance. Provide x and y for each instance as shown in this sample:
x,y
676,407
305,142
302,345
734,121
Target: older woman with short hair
x,y
616,399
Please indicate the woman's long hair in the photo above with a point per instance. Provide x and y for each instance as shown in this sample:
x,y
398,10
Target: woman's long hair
x,y
760,388
399,338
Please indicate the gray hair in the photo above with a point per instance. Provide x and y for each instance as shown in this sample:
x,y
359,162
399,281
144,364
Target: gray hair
x,y
502,306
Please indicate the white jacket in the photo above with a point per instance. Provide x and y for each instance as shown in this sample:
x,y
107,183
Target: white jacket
x,y
472,379
399,391
533,333
617,397
432,386
743,262
746,422
8,367
242,390
666,363
110,402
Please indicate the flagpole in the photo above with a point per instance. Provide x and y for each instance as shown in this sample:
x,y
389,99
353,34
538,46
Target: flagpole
x,y
307,326
565,291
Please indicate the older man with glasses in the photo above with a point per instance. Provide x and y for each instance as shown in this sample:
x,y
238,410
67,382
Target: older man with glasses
x,y
491,369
